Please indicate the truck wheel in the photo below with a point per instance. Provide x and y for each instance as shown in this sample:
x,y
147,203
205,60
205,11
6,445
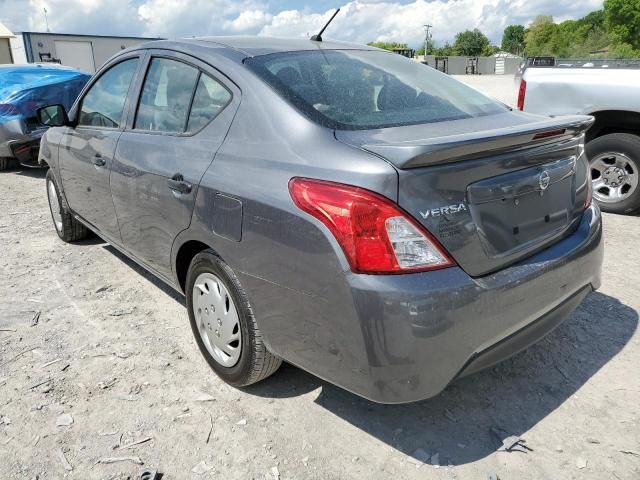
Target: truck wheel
x,y
67,227
224,324
615,172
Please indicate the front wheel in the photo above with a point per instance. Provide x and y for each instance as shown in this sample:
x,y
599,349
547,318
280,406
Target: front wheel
x,y
67,227
615,172
223,323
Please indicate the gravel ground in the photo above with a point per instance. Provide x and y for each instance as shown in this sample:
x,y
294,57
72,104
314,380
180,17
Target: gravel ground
x,y
96,355
500,87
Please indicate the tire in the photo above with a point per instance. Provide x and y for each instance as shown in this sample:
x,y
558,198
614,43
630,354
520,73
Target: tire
x,y
68,228
5,163
615,172
254,362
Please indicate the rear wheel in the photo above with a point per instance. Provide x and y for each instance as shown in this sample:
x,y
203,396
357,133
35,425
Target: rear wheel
x,y
223,323
68,228
615,172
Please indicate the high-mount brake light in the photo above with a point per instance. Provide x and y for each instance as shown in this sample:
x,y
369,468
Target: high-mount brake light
x,y
549,134
375,234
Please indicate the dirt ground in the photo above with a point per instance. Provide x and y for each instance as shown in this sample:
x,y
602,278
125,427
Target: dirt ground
x,y
500,87
96,355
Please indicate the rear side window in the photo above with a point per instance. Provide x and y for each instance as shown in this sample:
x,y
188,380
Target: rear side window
x,y
209,100
166,96
366,89
103,104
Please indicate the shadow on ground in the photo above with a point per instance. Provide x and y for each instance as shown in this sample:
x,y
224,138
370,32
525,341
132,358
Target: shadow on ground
x,y
513,396
144,273
16,169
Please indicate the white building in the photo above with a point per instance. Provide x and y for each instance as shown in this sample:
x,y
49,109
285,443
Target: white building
x,y
5,45
84,52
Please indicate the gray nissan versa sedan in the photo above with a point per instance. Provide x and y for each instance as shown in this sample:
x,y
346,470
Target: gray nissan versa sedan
x,y
345,209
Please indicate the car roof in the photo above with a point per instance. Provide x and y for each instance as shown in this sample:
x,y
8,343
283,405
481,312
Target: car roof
x,y
252,46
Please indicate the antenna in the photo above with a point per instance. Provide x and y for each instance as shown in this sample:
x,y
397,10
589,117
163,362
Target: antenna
x,y
318,37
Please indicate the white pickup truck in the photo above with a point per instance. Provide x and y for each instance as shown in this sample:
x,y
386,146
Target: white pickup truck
x,y
612,96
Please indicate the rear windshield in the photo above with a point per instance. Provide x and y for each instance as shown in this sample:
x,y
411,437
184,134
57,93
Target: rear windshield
x,y
365,89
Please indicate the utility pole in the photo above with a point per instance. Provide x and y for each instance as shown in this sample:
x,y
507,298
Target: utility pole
x,y
46,21
427,39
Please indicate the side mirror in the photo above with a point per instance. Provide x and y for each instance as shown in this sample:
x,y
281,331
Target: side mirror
x,y
53,116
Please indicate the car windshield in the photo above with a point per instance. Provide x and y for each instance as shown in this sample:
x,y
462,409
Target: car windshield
x,y
368,89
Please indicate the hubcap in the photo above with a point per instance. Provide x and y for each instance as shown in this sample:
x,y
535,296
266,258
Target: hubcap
x,y
217,319
54,205
614,177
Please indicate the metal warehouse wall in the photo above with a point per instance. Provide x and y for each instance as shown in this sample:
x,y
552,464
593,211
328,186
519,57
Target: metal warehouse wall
x,y
457,65
40,46
511,65
5,51
486,65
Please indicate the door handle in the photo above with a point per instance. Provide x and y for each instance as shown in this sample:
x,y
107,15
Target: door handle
x,y
98,161
178,184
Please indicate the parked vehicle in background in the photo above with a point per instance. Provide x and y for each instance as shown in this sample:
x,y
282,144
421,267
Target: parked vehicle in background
x,y
612,96
543,62
24,89
341,207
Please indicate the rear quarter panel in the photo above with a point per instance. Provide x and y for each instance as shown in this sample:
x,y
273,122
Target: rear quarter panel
x,y
289,263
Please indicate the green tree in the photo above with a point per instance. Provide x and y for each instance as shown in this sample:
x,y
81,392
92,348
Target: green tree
x,y
470,43
445,51
571,38
490,50
539,35
513,39
594,36
622,19
623,50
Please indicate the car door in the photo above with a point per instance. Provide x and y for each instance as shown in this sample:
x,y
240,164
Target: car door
x,y
184,110
86,150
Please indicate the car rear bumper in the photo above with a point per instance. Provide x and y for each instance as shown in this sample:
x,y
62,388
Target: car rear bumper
x,y
19,143
421,331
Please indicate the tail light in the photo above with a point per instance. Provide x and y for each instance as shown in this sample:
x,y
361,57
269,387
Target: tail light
x,y
374,233
589,199
522,91
8,110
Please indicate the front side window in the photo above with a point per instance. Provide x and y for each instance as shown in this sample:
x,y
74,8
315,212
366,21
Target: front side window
x,y
166,96
366,89
103,104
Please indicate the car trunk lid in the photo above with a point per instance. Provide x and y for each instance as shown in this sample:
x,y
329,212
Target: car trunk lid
x,y
492,190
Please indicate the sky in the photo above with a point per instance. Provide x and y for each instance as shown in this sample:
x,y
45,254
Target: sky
x,y
359,21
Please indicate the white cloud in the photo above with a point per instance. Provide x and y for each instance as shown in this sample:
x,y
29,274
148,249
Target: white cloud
x,y
248,21
107,17
192,17
359,20
363,22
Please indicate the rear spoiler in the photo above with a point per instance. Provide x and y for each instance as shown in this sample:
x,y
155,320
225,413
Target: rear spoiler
x,y
465,146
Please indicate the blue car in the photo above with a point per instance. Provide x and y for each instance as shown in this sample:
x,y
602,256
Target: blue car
x,y
24,89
